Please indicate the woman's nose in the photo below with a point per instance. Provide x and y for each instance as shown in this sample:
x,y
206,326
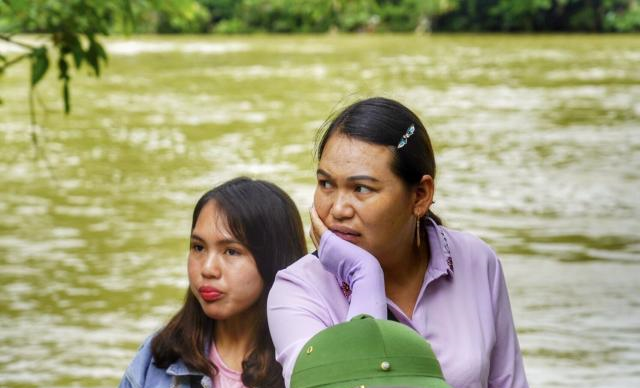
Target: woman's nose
x,y
342,207
211,266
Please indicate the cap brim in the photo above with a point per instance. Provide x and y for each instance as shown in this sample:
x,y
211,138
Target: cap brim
x,y
390,382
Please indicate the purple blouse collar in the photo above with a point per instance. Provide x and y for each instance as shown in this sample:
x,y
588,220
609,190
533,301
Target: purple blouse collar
x,y
441,260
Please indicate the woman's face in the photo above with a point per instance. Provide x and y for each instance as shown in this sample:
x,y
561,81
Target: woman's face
x,y
223,274
361,200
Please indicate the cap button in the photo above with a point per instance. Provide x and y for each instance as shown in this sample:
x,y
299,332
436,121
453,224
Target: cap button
x,y
309,349
384,365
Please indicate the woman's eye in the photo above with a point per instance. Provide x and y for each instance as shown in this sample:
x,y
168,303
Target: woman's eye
x,y
325,184
197,247
363,189
231,252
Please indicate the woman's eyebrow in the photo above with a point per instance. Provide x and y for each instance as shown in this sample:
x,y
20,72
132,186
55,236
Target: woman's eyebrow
x,y
229,241
196,237
322,172
363,178
351,178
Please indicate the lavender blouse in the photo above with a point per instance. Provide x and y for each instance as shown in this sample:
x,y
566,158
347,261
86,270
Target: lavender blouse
x,y
463,309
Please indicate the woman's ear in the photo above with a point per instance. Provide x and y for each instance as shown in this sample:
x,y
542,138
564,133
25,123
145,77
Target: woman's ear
x,y
423,195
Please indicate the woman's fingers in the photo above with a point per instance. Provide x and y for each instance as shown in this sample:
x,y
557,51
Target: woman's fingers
x,y
317,226
313,237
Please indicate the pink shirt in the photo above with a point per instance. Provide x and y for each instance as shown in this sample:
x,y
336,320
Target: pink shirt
x,y
463,310
226,377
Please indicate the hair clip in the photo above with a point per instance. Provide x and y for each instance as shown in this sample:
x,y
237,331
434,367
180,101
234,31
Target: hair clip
x,y
405,137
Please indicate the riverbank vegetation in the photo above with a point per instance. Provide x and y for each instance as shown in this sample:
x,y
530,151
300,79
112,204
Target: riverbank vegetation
x,y
291,16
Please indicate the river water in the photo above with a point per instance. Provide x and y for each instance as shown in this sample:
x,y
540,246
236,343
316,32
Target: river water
x,y
537,140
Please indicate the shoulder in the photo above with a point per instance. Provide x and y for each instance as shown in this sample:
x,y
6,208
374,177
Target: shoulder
x,y
142,372
468,250
307,269
306,280
144,357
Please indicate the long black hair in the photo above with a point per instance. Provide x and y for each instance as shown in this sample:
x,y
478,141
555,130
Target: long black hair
x,y
383,121
266,221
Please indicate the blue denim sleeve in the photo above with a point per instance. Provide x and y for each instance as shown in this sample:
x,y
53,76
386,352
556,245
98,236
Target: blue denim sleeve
x,y
136,373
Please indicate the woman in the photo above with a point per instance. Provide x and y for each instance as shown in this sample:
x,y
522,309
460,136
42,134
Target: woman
x,y
221,331
383,252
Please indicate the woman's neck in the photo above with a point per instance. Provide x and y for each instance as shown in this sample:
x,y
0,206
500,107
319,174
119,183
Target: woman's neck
x,y
403,277
235,338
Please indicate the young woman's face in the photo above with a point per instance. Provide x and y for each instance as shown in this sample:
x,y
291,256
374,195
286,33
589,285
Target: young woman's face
x,y
361,200
223,274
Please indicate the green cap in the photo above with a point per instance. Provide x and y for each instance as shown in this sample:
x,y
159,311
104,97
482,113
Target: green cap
x,y
367,352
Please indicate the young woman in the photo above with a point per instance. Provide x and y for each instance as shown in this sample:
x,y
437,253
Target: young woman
x,y
242,233
383,252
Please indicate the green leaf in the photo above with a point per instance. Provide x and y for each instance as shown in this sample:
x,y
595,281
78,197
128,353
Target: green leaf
x,y
39,64
93,56
76,49
78,55
63,67
65,95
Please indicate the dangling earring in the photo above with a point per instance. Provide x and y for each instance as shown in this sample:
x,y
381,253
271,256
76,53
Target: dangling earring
x,y
418,232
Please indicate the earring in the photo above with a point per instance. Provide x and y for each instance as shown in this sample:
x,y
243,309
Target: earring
x,y
418,232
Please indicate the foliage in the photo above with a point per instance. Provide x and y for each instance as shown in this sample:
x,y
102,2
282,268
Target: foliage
x,y
418,15
287,16
321,15
542,15
74,29
620,18
282,16
175,15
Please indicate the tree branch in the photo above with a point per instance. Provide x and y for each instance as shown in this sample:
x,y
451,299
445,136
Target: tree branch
x,y
7,38
13,61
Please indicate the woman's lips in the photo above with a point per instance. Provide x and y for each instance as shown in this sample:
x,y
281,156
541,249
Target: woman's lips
x,y
209,294
346,234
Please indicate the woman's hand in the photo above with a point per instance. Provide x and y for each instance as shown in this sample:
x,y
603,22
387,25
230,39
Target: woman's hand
x,y
338,256
358,273
317,226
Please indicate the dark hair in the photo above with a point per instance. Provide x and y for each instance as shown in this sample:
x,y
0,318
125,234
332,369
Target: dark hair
x,y
265,220
383,121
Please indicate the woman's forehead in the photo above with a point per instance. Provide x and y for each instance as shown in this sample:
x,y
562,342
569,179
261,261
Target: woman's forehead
x,y
344,155
213,218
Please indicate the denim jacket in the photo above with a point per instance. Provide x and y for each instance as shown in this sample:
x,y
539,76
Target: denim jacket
x,y
142,373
